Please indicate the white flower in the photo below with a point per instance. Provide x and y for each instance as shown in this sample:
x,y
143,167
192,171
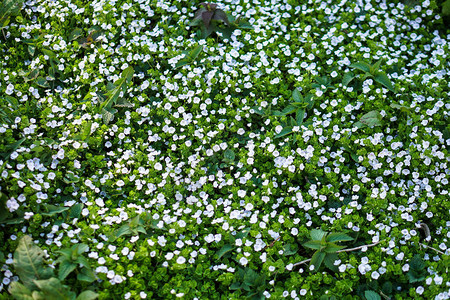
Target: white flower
x,y
243,261
181,260
375,275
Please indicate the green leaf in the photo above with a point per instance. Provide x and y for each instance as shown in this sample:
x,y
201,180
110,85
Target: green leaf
x,y
120,85
53,289
31,50
9,8
290,249
329,261
65,268
384,80
372,118
348,77
42,82
287,110
297,96
224,250
53,210
376,67
107,116
317,260
446,8
313,244
123,103
285,131
338,237
332,248
400,107
363,66
195,52
250,277
235,286
182,62
124,230
243,233
229,155
245,25
371,295
29,262
76,33
19,291
86,275
300,115
87,295
317,234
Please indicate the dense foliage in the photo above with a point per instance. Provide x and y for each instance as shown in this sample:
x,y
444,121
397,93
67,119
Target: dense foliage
x,y
239,149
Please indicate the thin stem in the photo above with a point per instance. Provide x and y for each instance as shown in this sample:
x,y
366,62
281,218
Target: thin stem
x,y
438,251
344,250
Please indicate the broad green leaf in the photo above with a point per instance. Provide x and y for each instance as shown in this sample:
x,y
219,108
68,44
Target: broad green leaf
x,y
338,237
400,107
332,248
313,244
75,210
243,233
67,254
363,66
65,268
19,291
31,50
221,15
42,82
371,295
86,275
300,114
76,33
376,67
317,260
329,261
224,250
53,289
293,122
124,230
288,109
195,52
446,8
297,96
290,249
235,286
123,103
317,234
250,277
87,295
245,25
323,80
9,8
53,210
285,131
29,262
348,77
372,118
120,85
417,263
229,155
384,80
181,63
107,116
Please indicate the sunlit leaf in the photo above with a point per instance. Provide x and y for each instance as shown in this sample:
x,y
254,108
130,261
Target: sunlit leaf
x,y
363,66
384,80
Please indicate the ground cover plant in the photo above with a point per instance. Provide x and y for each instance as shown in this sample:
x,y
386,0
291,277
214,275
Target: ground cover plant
x,y
156,149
